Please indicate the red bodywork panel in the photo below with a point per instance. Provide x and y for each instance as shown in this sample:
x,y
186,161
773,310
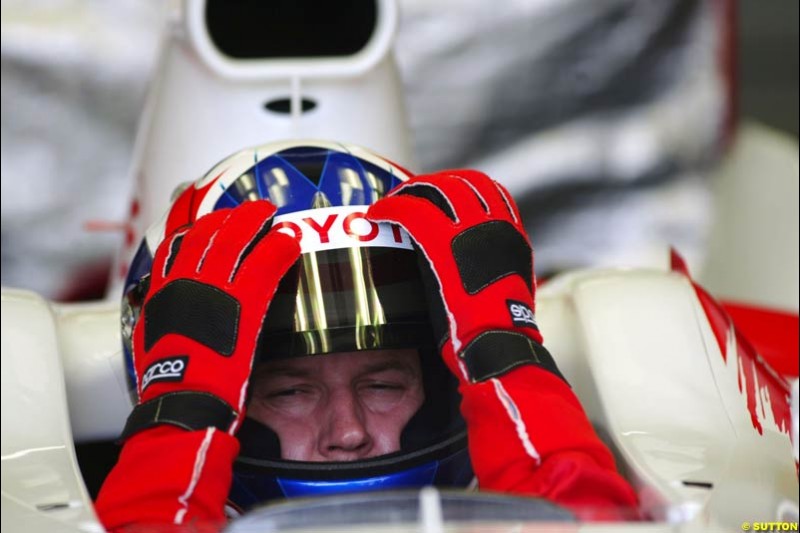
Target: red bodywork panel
x,y
763,338
774,334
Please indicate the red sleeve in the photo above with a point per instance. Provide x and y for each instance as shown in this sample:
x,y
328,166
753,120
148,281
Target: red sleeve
x,y
528,434
167,475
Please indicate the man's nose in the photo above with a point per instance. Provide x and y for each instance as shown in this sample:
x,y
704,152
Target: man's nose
x,y
346,437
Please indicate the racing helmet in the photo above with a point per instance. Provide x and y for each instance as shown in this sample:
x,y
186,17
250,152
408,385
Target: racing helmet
x,y
356,287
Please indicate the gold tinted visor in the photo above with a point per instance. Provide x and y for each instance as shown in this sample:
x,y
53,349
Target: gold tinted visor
x,y
348,299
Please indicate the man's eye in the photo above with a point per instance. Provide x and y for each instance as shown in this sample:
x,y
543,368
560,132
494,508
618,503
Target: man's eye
x,y
286,393
380,386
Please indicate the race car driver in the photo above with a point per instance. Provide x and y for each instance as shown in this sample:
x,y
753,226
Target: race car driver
x,y
314,320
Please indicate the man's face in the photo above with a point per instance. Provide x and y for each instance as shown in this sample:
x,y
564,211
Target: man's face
x,y
338,407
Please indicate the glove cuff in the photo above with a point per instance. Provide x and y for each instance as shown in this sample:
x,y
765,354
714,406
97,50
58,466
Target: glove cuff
x,y
496,352
185,409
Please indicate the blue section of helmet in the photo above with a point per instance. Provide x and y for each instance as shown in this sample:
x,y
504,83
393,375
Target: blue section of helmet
x,y
140,267
413,477
285,186
253,488
292,180
381,182
343,180
130,372
226,199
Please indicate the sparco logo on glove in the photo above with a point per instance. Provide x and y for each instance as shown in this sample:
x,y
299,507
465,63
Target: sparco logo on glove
x,y
521,314
169,369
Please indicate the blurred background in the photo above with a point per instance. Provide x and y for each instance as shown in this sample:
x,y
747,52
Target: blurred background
x,y
610,122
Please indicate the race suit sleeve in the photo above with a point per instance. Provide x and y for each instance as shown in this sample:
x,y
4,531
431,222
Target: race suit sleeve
x,y
528,435
169,479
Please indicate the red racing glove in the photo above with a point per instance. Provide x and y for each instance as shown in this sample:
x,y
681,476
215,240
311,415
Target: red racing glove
x,y
209,292
527,431
481,263
194,346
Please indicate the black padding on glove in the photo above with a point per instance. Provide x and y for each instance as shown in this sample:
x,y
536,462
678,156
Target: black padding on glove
x,y
432,194
252,245
493,353
490,251
173,253
186,409
195,310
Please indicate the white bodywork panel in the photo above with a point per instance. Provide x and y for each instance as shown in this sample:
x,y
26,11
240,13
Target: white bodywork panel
x,y
42,489
635,345
641,355
94,368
